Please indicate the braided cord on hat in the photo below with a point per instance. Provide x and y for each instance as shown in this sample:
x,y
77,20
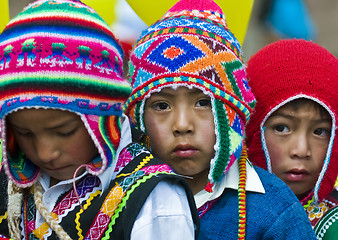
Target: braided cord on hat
x,y
15,196
60,232
242,195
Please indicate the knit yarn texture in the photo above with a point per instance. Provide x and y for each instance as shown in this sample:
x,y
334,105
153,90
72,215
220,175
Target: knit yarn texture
x,y
61,54
288,70
191,46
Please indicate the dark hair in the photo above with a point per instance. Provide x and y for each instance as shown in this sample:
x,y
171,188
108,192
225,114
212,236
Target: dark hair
x,y
295,104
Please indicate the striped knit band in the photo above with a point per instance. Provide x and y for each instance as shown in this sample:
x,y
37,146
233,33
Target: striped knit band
x,y
61,54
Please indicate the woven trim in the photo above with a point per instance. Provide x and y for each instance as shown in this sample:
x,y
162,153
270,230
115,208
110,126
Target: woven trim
x,y
226,97
124,201
88,203
187,30
3,217
213,16
325,223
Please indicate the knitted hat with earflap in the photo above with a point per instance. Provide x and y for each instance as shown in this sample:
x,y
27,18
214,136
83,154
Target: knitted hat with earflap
x,y
284,71
60,54
191,46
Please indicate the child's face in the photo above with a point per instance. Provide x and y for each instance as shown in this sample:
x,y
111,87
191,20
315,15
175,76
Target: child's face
x,y
181,128
54,140
297,142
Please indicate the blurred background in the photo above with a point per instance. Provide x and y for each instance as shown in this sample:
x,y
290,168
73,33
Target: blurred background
x,y
270,20
317,20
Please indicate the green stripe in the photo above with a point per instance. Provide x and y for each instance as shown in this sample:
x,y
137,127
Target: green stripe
x,y
44,9
60,80
229,69
124,201
223,157
328,219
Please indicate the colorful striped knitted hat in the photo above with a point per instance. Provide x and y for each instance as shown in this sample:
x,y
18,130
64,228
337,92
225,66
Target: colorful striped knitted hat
x,y
284,71
61,54
192,46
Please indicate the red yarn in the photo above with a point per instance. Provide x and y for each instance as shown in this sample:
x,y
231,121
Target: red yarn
x,y
203,5
283,70
208,187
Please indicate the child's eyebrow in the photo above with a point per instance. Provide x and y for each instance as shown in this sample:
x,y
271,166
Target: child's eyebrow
x,y
163,92
288,116
62,124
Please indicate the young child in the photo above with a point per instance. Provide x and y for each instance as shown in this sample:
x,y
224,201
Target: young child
x,y
61,99
191,96
293,130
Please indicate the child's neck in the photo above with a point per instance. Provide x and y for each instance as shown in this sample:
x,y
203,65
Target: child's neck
x,y
198,182
53,182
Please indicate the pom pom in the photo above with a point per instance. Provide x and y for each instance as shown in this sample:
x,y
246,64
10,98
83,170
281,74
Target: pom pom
x,y
208,187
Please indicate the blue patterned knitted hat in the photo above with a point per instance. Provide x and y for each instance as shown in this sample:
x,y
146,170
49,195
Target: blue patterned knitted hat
x,y
192,46
60,54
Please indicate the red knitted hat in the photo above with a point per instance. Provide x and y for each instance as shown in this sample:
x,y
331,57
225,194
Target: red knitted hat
x,y
284,71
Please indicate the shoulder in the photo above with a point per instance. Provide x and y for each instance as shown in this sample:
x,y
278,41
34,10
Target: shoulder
x,y
280,207
166,208
153,192
275,186
168,198
327,227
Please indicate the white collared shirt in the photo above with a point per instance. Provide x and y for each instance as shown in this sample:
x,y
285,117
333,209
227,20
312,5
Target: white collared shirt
x,y
230,180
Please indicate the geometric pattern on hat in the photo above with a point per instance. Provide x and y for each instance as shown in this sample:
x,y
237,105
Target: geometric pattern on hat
x,y
43,53
61,54
193,24
186,55
194,47
174,53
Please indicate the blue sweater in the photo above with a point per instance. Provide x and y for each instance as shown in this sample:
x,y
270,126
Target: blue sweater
x,y
277,214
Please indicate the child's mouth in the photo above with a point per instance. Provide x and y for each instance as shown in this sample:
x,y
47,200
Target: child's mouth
x,y
184,151
296,175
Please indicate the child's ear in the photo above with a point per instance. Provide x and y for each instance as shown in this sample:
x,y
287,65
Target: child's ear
x,y
12,146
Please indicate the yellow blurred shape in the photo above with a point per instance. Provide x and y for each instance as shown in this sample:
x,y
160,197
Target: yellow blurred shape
x,y
4,14
237,12
105,8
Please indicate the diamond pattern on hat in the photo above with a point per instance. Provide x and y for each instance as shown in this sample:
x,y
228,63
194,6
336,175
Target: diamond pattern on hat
x,y
185,52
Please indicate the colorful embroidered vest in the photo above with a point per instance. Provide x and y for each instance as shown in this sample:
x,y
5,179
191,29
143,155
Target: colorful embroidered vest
x,y
106,215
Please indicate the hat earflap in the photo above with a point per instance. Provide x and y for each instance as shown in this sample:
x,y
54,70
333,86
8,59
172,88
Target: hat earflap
x,y
221,160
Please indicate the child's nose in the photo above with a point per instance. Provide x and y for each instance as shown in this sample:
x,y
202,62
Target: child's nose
x,y
46,150
300,147
183,122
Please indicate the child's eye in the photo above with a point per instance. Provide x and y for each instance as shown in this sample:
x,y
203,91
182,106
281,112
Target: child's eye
x,y
203,103
161,106
67,133
24,134
281,128
322,132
